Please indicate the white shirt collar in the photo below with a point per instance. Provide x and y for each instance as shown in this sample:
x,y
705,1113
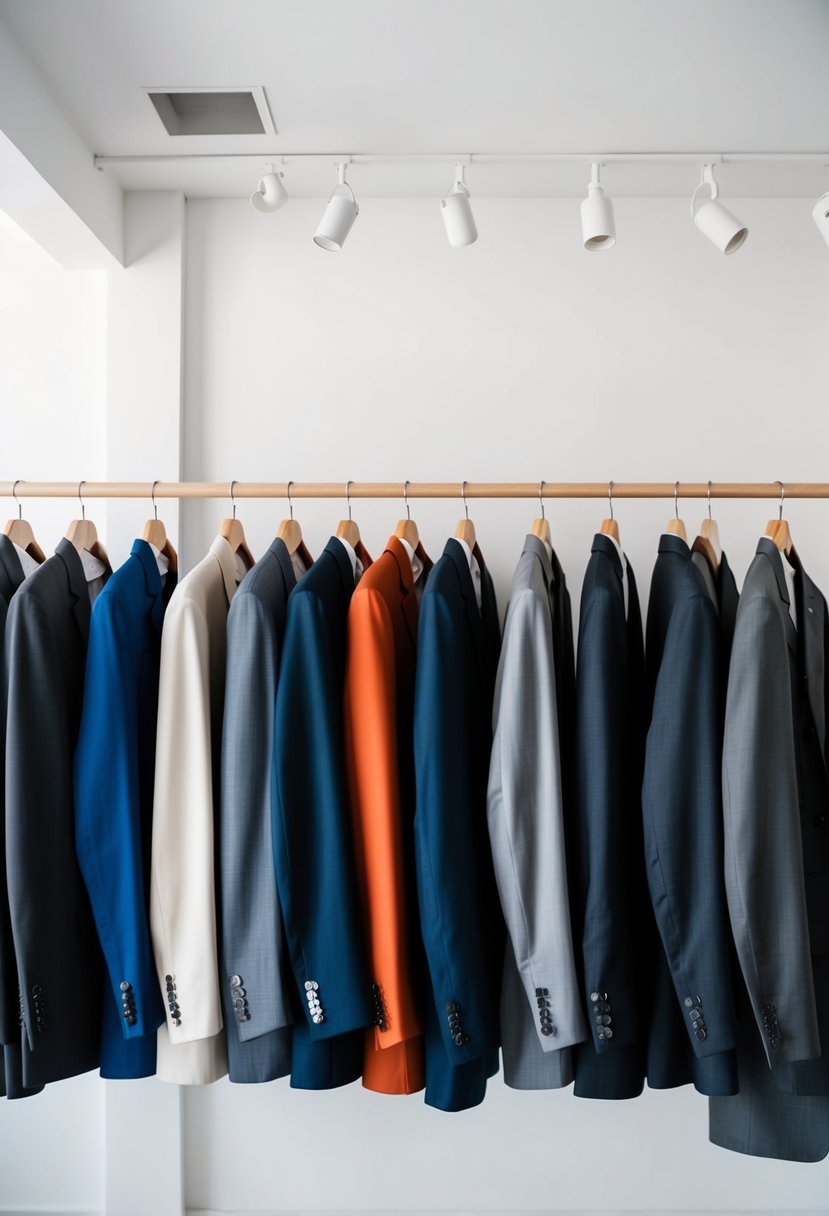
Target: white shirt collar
x,y
789,571
417,564
356,564
298,564
474,569
624,562
26,561
161,561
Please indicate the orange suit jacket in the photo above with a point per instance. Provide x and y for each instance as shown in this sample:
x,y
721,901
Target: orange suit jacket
x,y
379,710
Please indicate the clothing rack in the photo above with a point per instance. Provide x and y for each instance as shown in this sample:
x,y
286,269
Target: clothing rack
x,y
413,489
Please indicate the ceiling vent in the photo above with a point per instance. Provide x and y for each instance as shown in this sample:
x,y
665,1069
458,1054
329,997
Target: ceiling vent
x,y
213,111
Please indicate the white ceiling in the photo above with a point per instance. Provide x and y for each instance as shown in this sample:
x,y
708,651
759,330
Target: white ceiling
x,y
450,76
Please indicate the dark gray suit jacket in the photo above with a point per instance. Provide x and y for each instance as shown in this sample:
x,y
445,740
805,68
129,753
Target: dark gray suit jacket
x,y
58,957
776,815
257,1008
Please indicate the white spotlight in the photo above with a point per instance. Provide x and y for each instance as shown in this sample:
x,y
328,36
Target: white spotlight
x,y
457,213
270,193
714,220
820,214
598,229
339,215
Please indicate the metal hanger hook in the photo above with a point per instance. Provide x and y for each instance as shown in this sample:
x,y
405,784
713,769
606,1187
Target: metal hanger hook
x,y
541,486
290,504
463,497
348,499
18,503
232,498
406,499
152,496
676,499
782,496
709,500
610,497
81,484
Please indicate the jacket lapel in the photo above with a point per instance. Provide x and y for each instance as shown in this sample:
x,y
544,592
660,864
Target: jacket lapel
x,y
813,652
157,593
455,551
76,579
11,570
226,558
769,548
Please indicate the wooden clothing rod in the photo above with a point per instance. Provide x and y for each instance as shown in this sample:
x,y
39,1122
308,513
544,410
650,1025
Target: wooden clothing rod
x,y
414,489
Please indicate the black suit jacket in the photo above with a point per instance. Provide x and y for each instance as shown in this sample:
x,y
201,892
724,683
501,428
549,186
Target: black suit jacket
x,y
610,886
58,957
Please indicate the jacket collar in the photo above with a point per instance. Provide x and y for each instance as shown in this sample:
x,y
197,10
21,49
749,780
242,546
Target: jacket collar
x,y
411,602
534,544
811,622
456,553
10,562
226,558
157,591
278,550
336,549
768,548
603,544
669,543
78,590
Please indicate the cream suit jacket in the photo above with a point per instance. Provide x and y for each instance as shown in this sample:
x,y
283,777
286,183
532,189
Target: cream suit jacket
x,y
191,1045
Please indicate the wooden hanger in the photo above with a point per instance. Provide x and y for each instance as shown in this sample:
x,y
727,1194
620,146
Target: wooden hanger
x,y
290,533
778,529
708,539
675,526
466,529
609,527
346,528
407,528
19,531
233,532
156,534
540,527
83,534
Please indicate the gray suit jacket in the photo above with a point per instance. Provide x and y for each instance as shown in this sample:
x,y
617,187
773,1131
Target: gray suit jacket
x,y
58,957
526,826
256,1003
775,796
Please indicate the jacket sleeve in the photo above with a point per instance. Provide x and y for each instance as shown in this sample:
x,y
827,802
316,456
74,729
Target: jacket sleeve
x,y
682,812
253,937
609,948
108,828
371,748
763,847
526,824
9,1007
450,862
182,895
312,833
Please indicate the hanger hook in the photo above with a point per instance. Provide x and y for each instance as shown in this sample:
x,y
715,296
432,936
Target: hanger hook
x,y
152,496
18,503
348,499
610,497
232,498
709,500
541,486
463,497
676,499
81,484
782,496
290,504
406,499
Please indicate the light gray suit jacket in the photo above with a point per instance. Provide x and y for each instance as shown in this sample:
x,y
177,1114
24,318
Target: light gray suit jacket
x,y
541,1010
253,951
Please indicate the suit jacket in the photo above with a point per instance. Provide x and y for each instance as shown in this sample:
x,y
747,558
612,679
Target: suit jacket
x,y
775,794
256,1000
379,709
682,810
527,833
58,957
191,1043
460,915
11,1055
611,885
312,833
113,773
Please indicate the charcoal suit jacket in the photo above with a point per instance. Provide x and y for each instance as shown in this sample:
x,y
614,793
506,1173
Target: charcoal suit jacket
x,y
59,959
313,845
460,914
692,1031
610,885
776,818
114,773
255,996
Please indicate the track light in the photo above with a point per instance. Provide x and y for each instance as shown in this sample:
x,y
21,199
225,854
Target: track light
x,y
715,220
339,215
598,228
820,214
457,213
270,193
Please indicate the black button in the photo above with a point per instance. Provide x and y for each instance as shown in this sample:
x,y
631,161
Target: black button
x,y
701,1034
168,978
458,1039
125,987
694,1013
546,1030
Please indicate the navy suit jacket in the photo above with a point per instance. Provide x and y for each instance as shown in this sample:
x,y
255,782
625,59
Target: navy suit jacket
x,y
114,772
460,913
312,833
610,886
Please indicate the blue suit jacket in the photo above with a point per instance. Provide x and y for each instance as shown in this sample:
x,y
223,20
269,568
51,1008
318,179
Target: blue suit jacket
x,y
460,913
312,833
114,770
